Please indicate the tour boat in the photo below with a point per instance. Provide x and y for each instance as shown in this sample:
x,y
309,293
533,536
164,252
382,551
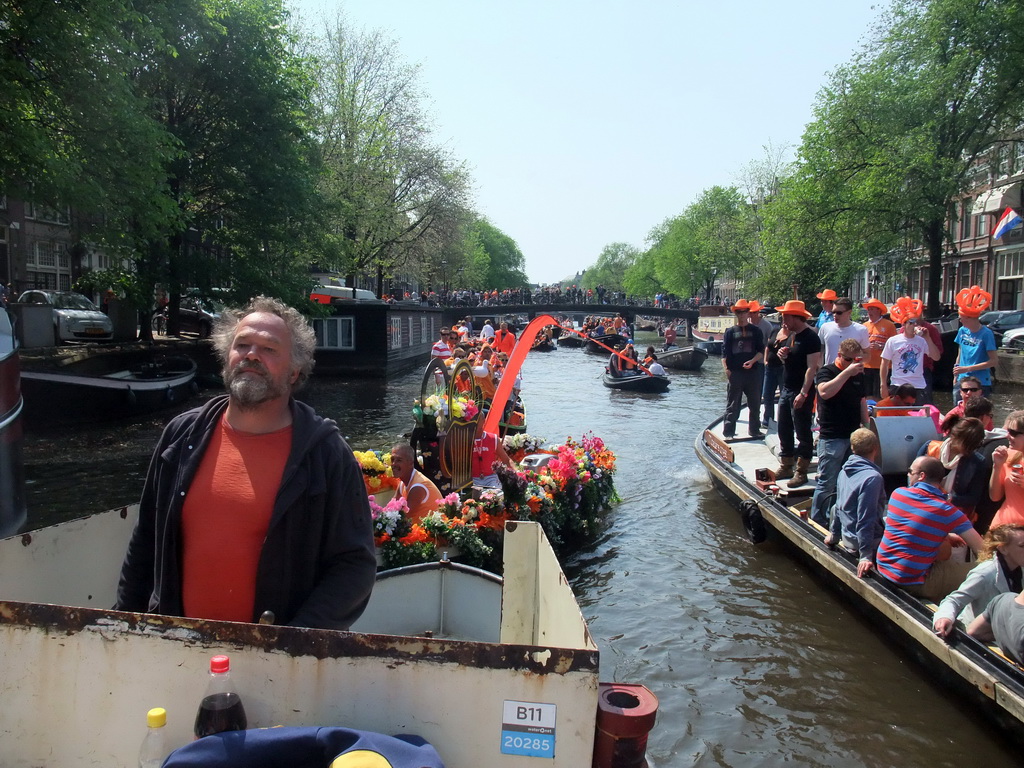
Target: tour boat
x,y
743,471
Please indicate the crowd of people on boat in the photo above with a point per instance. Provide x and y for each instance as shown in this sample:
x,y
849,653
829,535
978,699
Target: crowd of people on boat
x,y
964,491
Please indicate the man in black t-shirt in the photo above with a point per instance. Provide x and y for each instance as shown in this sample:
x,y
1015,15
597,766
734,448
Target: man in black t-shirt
x,y
801,357
742,348
842,408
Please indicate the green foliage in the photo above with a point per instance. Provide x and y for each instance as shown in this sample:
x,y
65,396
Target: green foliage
x,y
897,130
713,236
506,267
611,267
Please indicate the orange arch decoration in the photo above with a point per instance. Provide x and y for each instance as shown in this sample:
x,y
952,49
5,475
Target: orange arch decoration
x,y
515,363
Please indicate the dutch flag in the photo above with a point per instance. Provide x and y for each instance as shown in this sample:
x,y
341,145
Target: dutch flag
x,y
1008,222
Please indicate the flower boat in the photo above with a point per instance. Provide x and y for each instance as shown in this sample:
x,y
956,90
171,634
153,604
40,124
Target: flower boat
x,y
980,674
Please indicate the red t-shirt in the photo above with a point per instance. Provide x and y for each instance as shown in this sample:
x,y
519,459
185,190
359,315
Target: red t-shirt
x,y
225,519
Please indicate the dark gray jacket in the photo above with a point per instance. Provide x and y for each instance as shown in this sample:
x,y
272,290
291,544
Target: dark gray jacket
x,y
317,566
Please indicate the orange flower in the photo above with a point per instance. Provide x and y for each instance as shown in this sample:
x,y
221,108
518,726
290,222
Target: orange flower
x,y
416,536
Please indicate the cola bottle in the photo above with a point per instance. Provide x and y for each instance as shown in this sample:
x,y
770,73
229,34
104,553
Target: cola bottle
x,y
221,708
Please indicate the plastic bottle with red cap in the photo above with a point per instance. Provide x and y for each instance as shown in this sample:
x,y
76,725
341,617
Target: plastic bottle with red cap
x,y
221,708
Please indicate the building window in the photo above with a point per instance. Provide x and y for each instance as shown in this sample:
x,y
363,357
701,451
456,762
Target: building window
x,y
982,228
335,332
965,221
394,333
46,214
1018,159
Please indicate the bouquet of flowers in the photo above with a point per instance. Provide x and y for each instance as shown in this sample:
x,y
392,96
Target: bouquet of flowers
x,y
376,467
389,521
518,446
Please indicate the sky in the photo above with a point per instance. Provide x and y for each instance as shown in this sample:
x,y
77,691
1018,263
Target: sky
x,y
587,123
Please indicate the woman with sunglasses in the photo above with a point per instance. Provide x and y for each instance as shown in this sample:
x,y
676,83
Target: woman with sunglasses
x,y
1007,481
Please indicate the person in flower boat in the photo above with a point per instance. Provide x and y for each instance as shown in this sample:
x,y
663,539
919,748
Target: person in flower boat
x,y
487,449
417,489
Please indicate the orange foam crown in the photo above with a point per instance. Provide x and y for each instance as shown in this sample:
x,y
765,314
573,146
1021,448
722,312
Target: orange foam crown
x,y
906,308
973,301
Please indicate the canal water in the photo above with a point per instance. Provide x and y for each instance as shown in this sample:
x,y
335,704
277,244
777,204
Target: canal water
x,y
753,661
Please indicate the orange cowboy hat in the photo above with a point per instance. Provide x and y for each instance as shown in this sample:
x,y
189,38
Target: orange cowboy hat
x,y
756,307
794,307
741,305
906,308
971,302
875,303
828,295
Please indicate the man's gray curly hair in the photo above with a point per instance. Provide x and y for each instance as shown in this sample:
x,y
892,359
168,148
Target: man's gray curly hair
x,y
303,337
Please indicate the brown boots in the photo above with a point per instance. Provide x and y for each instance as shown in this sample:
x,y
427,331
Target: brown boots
x,y
792,469
785,469
800,476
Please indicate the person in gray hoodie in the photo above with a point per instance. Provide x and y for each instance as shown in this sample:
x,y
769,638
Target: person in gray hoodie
x,y
858,516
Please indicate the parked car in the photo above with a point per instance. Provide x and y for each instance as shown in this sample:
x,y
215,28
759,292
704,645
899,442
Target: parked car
x,y
75,318
1014,339
195,315
1007,321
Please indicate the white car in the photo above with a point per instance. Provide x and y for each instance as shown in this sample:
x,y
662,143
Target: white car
x,y
75,318
1014,339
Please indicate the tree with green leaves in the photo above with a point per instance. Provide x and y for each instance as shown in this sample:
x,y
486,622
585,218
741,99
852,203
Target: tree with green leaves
x,y
390,195
611,266
897,130
713,237
74,131
506,264
230,90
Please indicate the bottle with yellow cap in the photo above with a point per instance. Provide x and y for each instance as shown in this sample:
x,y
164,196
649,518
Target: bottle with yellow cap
x,y
154,748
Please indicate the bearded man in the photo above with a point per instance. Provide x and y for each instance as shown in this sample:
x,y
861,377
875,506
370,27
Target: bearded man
x,y
254,507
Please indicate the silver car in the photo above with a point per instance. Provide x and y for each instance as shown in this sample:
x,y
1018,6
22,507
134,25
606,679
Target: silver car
x,y
75,318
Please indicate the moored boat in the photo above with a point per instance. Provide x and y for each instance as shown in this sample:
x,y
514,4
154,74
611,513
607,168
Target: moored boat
x,y
978,673
601,344
13,511
107,384
712,323
683,358
637,382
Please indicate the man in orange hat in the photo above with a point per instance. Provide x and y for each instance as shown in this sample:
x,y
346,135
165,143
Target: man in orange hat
x,y
903,356
880,330
842,327
828,301
742,348
976,345
801,357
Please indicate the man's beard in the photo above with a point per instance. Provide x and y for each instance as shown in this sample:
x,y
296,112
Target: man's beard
x,y
247,392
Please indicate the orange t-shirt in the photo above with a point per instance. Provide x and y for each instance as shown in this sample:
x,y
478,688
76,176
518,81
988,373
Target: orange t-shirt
x,y
225,519
878,333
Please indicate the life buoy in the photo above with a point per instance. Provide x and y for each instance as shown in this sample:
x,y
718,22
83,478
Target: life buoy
x,y
753,521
